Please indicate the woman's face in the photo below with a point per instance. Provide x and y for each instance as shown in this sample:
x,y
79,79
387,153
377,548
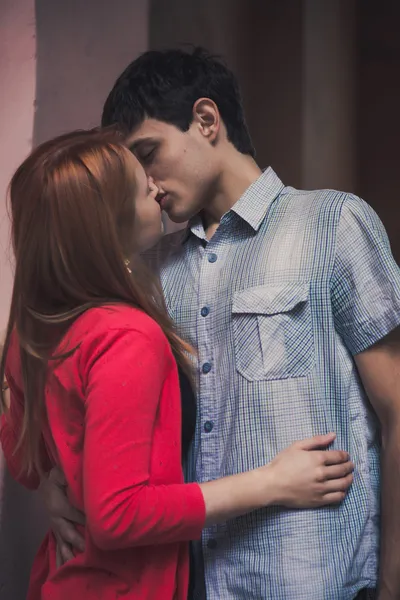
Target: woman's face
x,y
148,225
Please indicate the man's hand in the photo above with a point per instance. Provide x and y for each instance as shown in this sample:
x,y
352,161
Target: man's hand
x,y
63,516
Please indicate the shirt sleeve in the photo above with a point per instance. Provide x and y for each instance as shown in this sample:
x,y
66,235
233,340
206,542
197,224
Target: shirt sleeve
x,y
365,285
11,426
124,383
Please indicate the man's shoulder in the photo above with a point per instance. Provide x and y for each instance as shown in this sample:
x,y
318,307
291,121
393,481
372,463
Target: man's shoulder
x,y
321,197
329,205
325,207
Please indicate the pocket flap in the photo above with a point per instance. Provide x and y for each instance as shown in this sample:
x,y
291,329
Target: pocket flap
x,y
270,299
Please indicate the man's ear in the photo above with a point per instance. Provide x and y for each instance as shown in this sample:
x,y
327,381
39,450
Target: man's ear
x,y
206,116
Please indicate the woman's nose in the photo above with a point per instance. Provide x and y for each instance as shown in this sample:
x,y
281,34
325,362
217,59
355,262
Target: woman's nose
x,y
152,184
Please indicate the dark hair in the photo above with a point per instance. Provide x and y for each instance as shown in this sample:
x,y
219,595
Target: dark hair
x,y
164,85
72,219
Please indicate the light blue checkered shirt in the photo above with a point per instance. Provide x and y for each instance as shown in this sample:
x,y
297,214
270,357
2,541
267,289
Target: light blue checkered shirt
x,y
289,288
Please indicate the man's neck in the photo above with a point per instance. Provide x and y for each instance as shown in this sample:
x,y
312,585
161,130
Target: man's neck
x,y
239,173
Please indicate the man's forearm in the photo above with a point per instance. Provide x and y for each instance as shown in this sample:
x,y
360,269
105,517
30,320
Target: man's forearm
x,y
389,588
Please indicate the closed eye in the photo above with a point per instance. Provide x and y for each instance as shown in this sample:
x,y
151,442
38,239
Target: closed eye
x,y
147,157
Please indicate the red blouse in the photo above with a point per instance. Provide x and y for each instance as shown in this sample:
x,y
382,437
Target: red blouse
x,y
114,428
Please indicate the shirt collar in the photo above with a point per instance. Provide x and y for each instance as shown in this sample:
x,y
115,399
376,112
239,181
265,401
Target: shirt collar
x,y
252,206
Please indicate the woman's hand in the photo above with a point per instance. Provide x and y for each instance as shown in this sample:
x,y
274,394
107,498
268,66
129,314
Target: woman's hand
x,y
307,476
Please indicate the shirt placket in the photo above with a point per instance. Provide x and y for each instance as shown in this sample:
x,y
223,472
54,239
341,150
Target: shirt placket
x,y
208,457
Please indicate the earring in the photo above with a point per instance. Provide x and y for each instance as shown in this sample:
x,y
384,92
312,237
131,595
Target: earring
x,y
127,263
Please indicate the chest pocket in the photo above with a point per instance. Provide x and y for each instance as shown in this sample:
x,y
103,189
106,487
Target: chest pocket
x,y
273,331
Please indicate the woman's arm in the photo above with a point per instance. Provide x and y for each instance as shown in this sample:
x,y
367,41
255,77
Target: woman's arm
x,y
124,383
125,372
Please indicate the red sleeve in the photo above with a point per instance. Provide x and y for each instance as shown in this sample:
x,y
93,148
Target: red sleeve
x,y
124,383
11,425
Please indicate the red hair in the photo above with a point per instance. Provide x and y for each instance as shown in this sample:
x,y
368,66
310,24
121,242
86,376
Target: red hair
x,y
72,212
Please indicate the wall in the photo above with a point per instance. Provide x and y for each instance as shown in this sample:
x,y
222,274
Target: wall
x,y
378,112
328,151
17,77
262,43
295,61
81,49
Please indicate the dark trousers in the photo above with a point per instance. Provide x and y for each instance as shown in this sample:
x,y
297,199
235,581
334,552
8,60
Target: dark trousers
x,y
366,595
362,594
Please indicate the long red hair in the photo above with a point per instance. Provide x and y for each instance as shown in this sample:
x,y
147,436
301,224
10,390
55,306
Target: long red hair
x,y
72,212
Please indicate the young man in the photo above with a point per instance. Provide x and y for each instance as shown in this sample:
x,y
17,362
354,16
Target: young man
x,y
292,300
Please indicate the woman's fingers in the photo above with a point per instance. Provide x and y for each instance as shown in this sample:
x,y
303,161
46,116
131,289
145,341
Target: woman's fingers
x,y
332,498
334,457
338,485
316,442
338,470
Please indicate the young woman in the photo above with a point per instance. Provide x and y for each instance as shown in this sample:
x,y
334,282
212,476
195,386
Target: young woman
x,y
90,358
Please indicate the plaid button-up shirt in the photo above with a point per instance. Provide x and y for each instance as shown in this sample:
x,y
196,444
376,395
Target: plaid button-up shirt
x,y
291,286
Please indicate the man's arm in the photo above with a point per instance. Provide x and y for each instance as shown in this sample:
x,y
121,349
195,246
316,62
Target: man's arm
x,y
365,295
379,369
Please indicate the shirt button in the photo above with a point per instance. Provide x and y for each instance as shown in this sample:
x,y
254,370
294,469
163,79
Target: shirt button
x,y
212,258
204,311
206,368
208,426
212,544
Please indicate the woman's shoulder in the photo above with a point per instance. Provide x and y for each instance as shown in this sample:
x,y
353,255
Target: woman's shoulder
x,y
116,330
121,317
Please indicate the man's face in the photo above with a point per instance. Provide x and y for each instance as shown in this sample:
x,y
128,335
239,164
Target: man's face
x,y
181,164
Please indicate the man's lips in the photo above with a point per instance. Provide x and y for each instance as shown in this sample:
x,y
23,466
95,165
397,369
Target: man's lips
x,y
160,198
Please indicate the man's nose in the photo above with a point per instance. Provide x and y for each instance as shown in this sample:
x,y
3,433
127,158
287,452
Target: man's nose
x,y
147,170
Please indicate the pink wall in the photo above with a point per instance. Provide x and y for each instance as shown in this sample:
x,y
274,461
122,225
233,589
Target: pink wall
x,y
18,80
58,60
82,47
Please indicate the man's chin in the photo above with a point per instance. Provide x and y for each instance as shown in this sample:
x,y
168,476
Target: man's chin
x,y
177,218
